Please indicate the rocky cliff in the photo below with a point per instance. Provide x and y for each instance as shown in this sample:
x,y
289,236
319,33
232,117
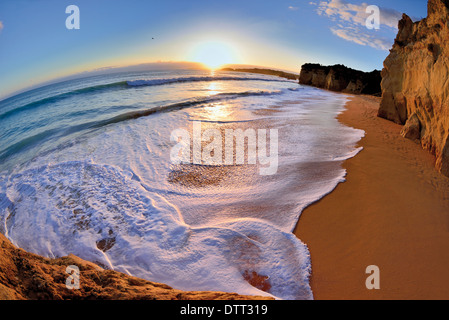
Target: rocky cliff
x,y
24,275
340,78
415,86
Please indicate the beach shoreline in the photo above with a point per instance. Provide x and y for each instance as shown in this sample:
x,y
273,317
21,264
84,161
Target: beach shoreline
x,y
392,211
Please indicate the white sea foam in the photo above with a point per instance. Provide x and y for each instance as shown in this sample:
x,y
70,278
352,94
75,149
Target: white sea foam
x,y
113,197
49,211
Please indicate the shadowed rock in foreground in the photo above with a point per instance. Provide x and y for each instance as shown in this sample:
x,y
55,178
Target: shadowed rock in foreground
x,y
25,275
415,86
340,78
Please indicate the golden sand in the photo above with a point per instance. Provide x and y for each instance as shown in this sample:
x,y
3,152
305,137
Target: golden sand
x,y
392,212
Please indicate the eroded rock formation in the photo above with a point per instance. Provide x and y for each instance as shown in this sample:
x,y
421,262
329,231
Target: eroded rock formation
x,y
415,86
340,78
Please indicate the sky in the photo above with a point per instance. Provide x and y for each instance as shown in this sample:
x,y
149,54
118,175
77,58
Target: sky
x,y
37,47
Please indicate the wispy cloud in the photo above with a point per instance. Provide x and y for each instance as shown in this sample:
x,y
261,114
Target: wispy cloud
x,y
356,13
292,8
363,38
1,26
351,19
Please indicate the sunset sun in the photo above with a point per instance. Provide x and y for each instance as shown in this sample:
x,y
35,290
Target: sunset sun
x,y
214,54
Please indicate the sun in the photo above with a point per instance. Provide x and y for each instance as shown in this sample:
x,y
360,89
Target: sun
x,y
214,54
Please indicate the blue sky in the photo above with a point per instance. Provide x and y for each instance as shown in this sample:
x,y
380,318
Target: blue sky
x,y
36,46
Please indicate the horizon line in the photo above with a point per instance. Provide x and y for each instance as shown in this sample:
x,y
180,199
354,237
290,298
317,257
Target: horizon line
x,y
139,68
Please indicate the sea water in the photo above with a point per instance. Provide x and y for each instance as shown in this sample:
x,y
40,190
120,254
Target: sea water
x,y
85,168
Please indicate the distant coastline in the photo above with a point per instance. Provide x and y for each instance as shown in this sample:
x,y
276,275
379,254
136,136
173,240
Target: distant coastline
x,y
271,72
337,78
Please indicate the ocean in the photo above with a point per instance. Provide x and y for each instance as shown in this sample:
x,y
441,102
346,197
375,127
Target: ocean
x,y
87,167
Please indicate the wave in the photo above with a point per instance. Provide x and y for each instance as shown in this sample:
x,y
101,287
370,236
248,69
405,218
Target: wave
x,y
62,96
127,85
156,82
92,125
100,213
185,104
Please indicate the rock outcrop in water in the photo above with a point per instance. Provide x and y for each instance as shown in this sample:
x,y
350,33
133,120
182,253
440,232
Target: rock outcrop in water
x,y
340,78
415,83
24,275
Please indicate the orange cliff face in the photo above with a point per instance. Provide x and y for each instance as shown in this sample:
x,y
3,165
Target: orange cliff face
x,y
415,81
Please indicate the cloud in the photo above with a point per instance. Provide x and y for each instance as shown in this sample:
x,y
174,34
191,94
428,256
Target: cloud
x,y
364,39
293,8
356,13
351,20
1,26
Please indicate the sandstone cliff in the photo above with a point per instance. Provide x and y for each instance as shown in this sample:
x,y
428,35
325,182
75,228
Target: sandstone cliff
x,y
415,86
28,276
340,78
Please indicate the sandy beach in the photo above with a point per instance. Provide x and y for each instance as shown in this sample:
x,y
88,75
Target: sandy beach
x,y
392,212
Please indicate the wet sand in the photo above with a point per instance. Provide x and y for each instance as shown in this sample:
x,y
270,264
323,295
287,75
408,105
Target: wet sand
x,y
392,212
